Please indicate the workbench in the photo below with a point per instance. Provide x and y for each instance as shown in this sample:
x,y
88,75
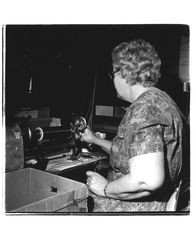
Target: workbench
x,y
76,169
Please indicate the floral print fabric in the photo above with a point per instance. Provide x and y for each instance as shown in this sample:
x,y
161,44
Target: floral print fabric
x,y
152,123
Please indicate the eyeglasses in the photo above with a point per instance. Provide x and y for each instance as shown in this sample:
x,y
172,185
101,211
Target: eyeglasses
x,y
112,74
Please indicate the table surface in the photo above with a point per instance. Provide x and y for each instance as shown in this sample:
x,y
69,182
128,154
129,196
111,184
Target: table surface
x,y
60,163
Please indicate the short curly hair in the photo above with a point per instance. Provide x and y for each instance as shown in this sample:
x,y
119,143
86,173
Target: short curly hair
x,y
138,62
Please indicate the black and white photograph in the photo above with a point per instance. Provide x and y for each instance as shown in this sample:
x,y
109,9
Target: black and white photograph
x,y
97,124
97,119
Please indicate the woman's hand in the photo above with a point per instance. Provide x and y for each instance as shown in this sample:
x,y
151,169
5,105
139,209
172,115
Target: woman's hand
x,y
96,183
88,136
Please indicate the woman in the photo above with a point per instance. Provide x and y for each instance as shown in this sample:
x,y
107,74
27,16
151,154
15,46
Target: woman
x,y
146,154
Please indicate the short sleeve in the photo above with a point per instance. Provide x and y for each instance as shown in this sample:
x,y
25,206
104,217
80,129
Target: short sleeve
x,y
147,140
146,131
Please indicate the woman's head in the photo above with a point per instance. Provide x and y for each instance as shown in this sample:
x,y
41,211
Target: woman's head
x,y
138,62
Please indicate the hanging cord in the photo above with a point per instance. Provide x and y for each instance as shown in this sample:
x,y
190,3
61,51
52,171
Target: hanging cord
x,y
89,115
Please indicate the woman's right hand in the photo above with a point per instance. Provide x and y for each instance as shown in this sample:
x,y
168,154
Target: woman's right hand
x,y
88,136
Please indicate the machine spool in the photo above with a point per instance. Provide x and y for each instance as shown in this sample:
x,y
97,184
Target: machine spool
x,y
52,133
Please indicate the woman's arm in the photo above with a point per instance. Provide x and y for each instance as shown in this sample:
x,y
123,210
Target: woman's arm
x,y
146,174
104,144
89,137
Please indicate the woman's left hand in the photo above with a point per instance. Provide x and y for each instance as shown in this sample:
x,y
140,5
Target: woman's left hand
x,y
96,183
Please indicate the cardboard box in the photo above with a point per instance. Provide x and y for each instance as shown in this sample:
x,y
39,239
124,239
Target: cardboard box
x,y
31,191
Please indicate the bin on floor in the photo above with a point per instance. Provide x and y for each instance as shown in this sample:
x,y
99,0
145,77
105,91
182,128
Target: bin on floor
x,y
32,191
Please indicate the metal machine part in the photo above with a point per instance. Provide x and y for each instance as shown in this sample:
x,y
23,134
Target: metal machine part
x,y
52,133
14,149
78,125
24,143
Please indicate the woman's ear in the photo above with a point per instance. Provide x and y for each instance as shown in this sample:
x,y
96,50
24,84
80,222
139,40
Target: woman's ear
x,y
126,79
126,76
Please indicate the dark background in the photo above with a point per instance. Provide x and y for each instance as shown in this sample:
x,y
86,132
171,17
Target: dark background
x,y
67,61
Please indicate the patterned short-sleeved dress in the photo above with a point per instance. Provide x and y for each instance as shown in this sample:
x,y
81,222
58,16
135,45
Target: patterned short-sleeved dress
x,y
152,123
